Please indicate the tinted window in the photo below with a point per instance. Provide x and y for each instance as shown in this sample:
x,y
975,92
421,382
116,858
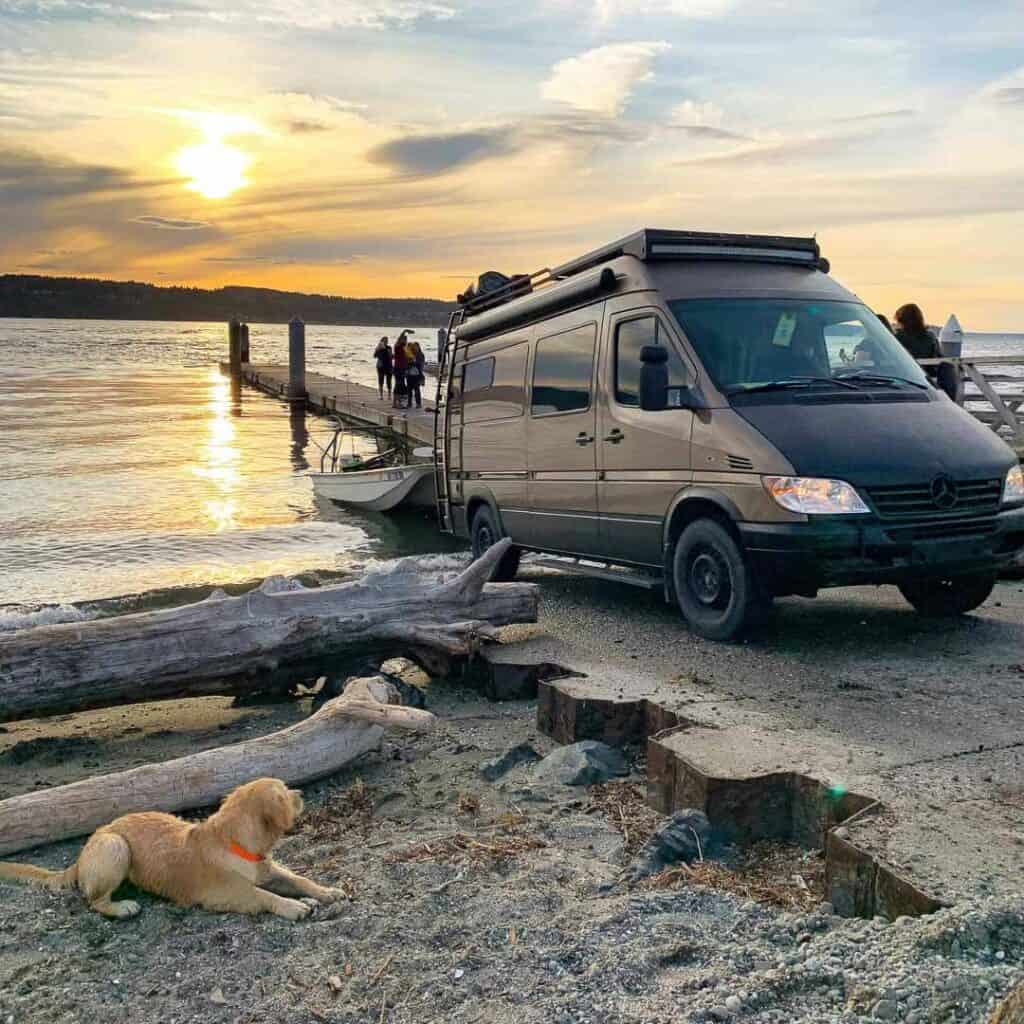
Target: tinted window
x,y
478,375
562,370
495,388
746,342
630,338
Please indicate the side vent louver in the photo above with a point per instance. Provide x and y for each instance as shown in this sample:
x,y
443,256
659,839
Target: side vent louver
x,y
739,462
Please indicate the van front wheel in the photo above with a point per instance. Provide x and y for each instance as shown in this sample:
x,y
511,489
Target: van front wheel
x,y
945,599
717,593
484,534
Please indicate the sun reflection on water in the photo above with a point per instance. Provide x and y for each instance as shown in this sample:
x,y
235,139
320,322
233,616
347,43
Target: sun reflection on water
x,y
219,457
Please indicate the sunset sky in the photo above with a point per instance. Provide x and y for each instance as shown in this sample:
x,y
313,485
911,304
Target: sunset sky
x,y
399,147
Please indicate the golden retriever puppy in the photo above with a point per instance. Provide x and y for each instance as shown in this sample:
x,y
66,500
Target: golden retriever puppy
x,y
222,863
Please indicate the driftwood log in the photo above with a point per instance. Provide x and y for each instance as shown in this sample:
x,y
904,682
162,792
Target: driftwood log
x,y
342,730
234,644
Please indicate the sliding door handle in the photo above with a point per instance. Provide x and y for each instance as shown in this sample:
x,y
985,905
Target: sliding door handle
x,y
615,436
583,438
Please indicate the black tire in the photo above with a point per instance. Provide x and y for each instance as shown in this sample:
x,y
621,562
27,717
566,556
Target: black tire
x,y
716,591
947,598
484,533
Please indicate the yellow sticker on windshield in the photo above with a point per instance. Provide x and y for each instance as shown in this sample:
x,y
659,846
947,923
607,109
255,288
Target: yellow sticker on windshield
x,y
784,330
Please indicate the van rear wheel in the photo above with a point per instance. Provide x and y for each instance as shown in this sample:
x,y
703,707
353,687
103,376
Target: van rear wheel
x,y
484,534
717,594
947,598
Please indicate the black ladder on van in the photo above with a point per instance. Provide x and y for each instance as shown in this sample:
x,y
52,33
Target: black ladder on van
x,y
442,423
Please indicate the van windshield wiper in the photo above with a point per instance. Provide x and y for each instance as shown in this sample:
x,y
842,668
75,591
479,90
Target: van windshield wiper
x,y
792,382
882,378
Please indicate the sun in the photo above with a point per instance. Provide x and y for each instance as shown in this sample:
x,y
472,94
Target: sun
x,y
214,168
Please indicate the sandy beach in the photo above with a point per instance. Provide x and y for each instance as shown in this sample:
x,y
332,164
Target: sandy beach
x,y
478,901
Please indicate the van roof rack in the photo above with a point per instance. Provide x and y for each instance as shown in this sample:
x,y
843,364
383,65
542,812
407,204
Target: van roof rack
x,y
649,244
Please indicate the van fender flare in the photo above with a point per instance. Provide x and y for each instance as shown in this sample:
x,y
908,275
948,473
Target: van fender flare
x,y
482,495
690,495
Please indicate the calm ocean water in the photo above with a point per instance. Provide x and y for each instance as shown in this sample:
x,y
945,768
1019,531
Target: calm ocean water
x,y
125,467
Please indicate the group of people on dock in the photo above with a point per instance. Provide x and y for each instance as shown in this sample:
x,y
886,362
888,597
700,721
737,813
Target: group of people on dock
x,y
400,370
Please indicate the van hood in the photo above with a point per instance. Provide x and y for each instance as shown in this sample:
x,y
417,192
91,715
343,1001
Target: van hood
x,y
881,443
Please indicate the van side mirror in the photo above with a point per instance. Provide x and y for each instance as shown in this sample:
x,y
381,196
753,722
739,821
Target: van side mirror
x,y
653,378
656,394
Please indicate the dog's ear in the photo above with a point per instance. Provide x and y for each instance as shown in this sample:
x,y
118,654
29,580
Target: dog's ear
x,y
278,814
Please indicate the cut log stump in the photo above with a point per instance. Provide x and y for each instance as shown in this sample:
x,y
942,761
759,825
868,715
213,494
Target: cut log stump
x,y
235,644
342,730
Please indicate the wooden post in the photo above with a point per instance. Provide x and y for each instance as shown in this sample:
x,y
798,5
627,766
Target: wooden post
x,y
296,359
442,339
235,348
245,344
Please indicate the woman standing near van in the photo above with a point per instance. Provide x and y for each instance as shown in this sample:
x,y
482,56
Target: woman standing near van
x,y
919,342
382,357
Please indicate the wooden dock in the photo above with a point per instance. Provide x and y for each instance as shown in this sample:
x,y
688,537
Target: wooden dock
x,y
356,403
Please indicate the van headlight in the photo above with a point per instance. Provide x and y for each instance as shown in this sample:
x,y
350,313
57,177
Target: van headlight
x,y
1013,488
815,497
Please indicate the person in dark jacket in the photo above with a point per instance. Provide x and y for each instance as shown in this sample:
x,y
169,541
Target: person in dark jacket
x,y
401,364
914,336
415,372
382,357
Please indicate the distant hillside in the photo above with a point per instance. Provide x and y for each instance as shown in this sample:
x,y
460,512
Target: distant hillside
x,y
86,298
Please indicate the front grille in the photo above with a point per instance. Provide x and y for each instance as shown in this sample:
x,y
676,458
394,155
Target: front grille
x,y
915,501
945,529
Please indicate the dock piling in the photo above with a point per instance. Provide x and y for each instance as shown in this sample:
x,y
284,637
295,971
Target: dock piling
x,y
235,348
244,357
296,359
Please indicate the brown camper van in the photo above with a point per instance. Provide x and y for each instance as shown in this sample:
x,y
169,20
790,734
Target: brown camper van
x,y
717,413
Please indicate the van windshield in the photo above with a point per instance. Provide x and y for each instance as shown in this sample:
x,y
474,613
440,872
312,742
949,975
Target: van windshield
x,y
758,344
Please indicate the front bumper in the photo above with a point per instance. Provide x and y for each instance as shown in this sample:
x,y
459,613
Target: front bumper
x,y
827,551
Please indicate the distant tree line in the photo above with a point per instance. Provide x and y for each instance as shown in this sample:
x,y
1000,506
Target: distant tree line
x,y
86,298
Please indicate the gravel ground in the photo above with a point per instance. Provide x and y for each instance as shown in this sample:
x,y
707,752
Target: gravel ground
x,y
479,902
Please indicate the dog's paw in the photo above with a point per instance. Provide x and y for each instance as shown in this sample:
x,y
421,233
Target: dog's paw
x,y
296,910
125,908
328,896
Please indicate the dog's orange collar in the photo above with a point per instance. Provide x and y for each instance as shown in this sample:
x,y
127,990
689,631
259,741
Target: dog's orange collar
x,y
241,851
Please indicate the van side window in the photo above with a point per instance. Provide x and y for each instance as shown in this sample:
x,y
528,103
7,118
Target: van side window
x,y
562,371
630,338
478,375
494,388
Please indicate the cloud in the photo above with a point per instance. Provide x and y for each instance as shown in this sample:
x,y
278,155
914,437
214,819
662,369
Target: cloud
x,y
705,131
602,80
171,224
1011,95
692,114
215,125
435,154
702,120
313,15
303,127
697,10
779,152
882,115
27,176
287,259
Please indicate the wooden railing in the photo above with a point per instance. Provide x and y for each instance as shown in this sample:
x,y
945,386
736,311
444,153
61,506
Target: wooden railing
x,y
1004,395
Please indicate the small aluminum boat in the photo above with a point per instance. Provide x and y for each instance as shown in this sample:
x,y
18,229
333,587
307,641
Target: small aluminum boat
x,y
379,490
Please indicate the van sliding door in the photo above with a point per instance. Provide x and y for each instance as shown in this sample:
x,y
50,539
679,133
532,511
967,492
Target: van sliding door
x,y
561,437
